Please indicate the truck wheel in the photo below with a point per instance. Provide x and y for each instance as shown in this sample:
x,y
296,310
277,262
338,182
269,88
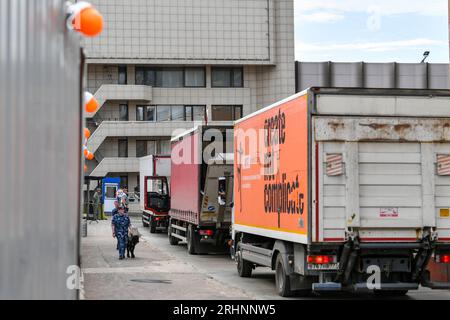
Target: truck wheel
x,y
172,240
191,240
244,267
152,225
281,278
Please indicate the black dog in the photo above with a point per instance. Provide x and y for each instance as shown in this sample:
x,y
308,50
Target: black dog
x,y
132,242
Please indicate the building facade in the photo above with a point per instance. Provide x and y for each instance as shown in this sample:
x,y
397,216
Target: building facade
x,y
165,65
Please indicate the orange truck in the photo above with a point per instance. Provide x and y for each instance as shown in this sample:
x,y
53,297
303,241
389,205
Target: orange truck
x,y
345,190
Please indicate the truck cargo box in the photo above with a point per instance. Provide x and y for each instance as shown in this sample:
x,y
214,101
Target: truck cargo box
x,y
189,170
376,160
202,189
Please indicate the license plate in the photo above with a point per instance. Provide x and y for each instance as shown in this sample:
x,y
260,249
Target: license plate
x,y
388,212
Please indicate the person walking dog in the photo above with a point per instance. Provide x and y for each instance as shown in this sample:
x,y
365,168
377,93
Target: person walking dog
x,y
120,225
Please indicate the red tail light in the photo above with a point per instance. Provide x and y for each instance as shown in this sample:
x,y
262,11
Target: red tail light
x,y
443,258
321,259
206,232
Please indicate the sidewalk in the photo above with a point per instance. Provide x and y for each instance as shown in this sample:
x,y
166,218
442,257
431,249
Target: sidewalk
x,y
152,275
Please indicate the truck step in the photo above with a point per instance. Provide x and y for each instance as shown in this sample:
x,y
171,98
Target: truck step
x,y
179,237
178,227
327,286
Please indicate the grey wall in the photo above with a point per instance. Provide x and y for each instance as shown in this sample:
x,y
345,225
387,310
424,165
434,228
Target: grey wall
x,y
372,75
40,143
170,30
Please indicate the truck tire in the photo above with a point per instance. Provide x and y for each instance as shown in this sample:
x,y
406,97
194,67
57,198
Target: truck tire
x,y
152,224
191,240
244,268
282,281
172,240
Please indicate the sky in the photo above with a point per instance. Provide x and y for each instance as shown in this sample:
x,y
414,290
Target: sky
x,y
371,30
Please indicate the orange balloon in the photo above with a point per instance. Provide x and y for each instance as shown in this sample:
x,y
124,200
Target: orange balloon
x,y
91,105
85,168
87,133
89,22
86,152
90,156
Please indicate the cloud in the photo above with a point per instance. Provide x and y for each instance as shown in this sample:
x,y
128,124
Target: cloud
x,y
382,46
384,7
320,17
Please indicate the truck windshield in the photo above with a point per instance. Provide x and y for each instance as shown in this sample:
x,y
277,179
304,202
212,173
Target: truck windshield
x,y
157,186
157,197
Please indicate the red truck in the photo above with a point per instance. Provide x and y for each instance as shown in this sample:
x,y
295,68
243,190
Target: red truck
x,y
202,189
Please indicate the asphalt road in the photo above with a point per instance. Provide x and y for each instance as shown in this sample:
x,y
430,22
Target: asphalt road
x,y
162,271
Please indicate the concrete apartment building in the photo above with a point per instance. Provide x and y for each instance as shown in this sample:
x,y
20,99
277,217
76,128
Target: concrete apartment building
x,y
165,65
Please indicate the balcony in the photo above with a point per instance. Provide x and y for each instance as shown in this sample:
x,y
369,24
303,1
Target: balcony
x,y
136,129
121,92
108,165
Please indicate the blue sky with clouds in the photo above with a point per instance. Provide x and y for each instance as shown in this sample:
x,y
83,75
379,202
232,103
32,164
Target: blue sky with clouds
x,y
371,30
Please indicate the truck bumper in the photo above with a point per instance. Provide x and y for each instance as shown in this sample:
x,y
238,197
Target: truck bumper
x,y
362,287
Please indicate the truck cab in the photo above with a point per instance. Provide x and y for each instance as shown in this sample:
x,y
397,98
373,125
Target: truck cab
x,y
157,201
154,177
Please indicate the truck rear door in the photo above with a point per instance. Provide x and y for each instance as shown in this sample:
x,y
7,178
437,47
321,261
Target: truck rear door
x,y
387,178
218,194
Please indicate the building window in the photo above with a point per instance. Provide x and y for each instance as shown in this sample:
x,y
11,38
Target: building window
x,y
124,182
123,148
226,113
122,75
227,77
162,113
141,148
160,77
195,113
152,147
147,147
177,113
170,77
194,77
145,113
164,147
123,112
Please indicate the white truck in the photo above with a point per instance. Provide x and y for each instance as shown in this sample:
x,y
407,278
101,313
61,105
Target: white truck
x,y
154,198
350,190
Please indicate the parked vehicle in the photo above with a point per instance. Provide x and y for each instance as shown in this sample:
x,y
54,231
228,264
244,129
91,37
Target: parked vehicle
x,y
350,190
201,189
154,180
